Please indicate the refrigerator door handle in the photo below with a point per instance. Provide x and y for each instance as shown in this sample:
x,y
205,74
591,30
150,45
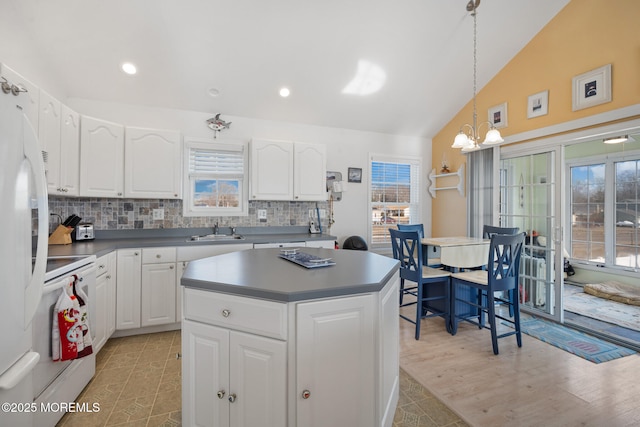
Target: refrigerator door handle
x,y
33,292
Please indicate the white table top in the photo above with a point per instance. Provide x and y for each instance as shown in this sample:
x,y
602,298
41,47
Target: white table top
x,y
460,252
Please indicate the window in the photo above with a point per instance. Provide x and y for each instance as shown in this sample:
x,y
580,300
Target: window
x,y
394,197
215,183
605,211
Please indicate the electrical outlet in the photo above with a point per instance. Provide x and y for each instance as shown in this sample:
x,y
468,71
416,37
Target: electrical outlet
x,y
323,213
158,214
262,215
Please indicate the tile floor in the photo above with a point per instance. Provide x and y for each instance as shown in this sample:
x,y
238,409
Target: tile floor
x,y
137,383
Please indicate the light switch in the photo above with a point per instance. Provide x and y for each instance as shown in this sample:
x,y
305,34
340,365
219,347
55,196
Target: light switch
x,y
158,214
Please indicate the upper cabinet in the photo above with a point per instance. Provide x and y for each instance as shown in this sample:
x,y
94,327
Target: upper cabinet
x,y
152,163
284,170
32,104
271,170
309,171
101,158
59,134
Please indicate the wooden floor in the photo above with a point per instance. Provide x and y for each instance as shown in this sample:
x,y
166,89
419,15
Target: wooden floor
x,y
536,385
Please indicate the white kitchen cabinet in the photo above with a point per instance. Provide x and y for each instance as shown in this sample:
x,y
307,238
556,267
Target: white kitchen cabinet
x,y
49,119
59,134
129,283
191,253
232,378
279,245
271,170
158,298
336,368
309,171
32,107
152,163
101,158
327,244
105,300
340,356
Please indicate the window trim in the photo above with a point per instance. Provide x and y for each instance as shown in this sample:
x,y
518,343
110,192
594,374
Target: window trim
x,y
609,160
382,158
188,210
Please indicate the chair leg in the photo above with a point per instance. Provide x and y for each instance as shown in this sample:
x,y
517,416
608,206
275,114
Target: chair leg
x,y
401,290
491,308
419,310
516,321
480,295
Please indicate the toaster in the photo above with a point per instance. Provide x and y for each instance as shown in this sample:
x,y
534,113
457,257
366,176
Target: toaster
x,y
85,231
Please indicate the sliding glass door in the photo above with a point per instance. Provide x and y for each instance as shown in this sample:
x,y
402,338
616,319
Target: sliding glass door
x,y
529,198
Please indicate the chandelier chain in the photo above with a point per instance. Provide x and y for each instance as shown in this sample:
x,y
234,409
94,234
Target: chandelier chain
x,y
475,62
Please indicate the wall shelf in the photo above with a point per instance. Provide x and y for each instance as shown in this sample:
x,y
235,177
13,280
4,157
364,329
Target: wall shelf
x,y
433,177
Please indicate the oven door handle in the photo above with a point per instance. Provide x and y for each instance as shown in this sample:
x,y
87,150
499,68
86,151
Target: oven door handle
x,y
59,284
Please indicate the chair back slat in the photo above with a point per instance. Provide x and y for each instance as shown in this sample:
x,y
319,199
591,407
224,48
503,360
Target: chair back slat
x,y
412,227
407,249
504,261
490,230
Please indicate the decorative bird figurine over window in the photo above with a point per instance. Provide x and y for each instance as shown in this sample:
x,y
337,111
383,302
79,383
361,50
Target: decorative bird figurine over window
x,y
217,124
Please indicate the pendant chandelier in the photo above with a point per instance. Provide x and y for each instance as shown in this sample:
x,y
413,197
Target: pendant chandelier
x,y
468,139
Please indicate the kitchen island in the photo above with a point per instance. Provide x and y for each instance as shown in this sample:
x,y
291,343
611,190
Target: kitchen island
x,y
269,342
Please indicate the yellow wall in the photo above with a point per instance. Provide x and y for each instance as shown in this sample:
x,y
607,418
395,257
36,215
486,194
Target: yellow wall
x,y
585,35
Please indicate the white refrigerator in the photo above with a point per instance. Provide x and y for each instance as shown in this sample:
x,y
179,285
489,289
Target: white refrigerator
x,y
23,190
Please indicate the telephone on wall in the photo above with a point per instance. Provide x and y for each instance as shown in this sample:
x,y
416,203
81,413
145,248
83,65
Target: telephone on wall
x,y
335,185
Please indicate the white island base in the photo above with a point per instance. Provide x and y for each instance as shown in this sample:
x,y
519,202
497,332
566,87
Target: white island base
x,y
329,362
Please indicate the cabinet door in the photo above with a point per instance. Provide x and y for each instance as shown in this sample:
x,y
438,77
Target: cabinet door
x,y
152,164
310,172
335,348
101,158
271,170
158,297
30,107
258,373
128,289
205,375
49,137
101,307
69,152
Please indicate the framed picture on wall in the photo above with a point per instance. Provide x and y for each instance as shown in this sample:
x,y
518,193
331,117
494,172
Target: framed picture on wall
x,y
538,104
592,88
498,115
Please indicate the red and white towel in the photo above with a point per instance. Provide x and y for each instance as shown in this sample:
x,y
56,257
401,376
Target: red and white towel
x,y
70,336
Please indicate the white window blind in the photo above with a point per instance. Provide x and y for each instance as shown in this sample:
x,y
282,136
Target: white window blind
x,y
206,161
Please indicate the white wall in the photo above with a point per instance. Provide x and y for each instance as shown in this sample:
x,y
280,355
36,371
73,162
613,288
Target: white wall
x,y
345,148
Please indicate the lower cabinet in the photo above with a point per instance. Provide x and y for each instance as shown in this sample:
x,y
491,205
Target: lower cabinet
x,y
146,289
232,378
105,300
250,362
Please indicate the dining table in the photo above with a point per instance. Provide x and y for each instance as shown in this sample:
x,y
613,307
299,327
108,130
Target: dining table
x,y
457,253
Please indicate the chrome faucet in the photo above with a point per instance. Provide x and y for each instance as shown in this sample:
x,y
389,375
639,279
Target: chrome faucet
x,y
233,231
215,228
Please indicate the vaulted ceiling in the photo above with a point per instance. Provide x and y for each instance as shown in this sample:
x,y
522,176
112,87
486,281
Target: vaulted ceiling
x,y
246,50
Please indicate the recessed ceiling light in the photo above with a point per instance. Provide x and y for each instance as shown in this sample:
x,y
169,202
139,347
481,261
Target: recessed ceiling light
x,y
129,68
284,92
214,92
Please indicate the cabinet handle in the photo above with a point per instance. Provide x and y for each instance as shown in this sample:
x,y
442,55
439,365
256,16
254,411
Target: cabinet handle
x,y
108,276
221,394
135,253
232,397
306,394
158,256
226,313
171,267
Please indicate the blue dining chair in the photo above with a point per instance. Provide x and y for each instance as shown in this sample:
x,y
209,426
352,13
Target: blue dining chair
x,y
502,274
432,290
490,230
435,258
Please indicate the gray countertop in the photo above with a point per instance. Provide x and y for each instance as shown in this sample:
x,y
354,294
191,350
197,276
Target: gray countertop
x,y
106,242
260,273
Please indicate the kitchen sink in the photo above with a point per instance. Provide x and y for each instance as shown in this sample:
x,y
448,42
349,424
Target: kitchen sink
x,y
215,237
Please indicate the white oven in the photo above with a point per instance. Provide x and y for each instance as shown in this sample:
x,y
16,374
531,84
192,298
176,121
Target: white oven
x,y
58,382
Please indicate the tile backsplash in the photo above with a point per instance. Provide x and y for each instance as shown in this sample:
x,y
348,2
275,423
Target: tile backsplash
x,y
123,214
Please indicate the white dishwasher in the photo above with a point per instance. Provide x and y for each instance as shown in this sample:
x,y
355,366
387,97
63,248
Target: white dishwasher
x,y
280,245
